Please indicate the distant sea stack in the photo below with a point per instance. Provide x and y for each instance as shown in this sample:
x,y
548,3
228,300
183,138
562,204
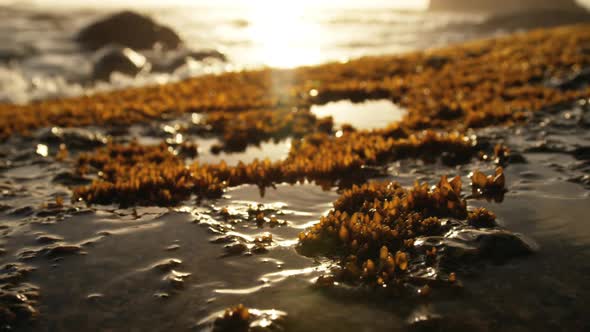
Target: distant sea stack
x,y
502,6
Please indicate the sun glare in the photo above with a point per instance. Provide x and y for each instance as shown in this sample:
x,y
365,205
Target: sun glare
x,y
282,35
285,35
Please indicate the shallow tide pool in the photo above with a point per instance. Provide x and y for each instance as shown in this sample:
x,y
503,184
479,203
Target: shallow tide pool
x,y
371,114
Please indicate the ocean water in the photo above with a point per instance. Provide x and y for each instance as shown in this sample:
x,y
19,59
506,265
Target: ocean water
x,y
39,59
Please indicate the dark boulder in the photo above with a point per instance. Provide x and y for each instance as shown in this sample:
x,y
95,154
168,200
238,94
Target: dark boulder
x,y
467,243
502,6
533,19
575,81
128,29
118,59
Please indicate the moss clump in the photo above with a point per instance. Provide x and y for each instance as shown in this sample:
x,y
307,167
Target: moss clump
x,y
481,218
372,228
488,186
233,319
135,174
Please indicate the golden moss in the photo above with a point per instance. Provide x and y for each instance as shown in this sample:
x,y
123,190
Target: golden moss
x,y
481,217
233,319
135,174
473,85
488,186
373,228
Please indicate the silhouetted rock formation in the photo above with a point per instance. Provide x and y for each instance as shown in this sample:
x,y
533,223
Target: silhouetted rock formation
x,y
174,60
118,59
502,6
532,19
128,29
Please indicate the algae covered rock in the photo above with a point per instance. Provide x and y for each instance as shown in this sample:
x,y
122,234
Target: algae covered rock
x,y
386,236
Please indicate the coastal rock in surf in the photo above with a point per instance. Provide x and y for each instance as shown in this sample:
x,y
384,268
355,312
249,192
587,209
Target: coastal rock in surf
x,y
502,6
534,18
128,29
182,57
119,59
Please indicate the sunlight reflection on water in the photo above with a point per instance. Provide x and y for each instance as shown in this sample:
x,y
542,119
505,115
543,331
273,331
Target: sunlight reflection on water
x,y
370,114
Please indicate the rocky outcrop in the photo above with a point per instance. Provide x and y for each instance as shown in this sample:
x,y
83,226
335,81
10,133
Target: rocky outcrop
x,y
171,61
502,6
128,29
118,59
532,19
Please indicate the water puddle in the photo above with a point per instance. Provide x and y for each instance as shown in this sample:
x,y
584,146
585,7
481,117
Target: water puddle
x,y
371,114
271,150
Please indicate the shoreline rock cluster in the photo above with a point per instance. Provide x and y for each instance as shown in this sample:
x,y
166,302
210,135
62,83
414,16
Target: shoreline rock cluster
x,y
130,43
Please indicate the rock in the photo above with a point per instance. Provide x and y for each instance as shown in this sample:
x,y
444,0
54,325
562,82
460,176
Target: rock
x,y
504,6
119,59
182,57
534,18
465,243
128,29
491,243
576,81
582,153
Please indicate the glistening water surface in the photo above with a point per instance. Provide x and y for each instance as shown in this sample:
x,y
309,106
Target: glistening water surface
x,y
369,114
153,268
